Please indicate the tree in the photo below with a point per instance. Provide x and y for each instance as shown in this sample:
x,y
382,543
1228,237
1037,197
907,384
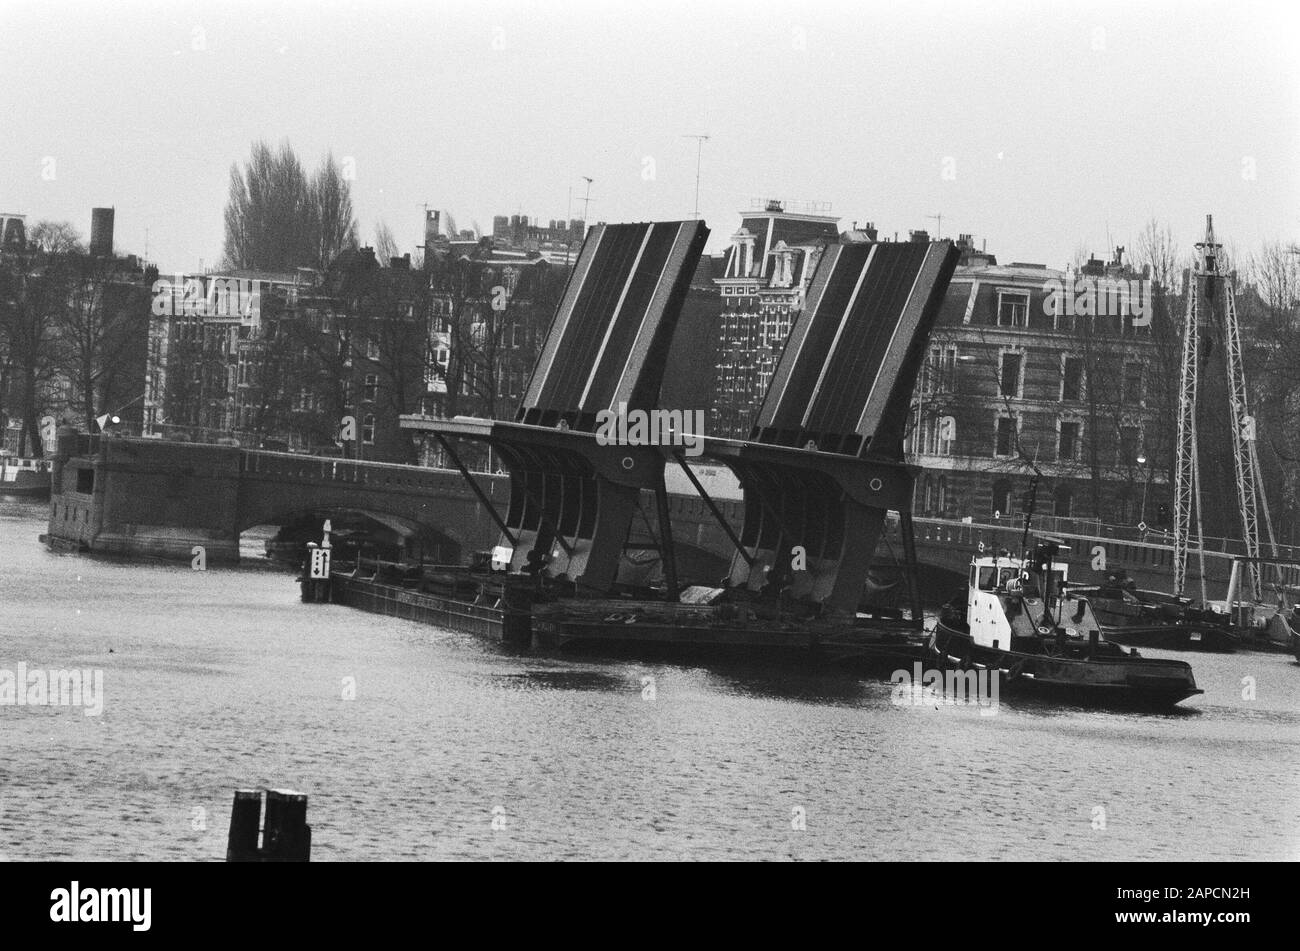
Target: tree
x,y
1269,309
101,331
386,247
33,295
278,219
331,198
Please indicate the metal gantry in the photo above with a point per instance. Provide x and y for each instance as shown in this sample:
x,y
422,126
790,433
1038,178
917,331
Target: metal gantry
x,y
1186,490
1210,291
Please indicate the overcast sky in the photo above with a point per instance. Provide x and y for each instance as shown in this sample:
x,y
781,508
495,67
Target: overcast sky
x,y
1059,124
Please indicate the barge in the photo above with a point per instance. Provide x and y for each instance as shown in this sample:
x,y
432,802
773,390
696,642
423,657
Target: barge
x,y
25,478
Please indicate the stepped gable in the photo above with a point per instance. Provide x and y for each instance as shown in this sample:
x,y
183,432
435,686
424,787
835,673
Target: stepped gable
x,y
825,461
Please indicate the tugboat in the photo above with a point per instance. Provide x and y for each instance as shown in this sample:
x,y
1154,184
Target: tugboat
x,y
25,478
1019,618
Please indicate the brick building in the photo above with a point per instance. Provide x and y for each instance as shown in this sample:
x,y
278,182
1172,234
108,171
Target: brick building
x,y
1019,378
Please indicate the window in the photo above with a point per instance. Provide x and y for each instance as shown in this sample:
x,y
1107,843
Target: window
x,y
1071,378
372,349
933,436
1128,445
1067,447
1063,501
368,430
1001,498
1013,308
1006,437
371,387
941,500
927,504
940,368
1009,374
1133,384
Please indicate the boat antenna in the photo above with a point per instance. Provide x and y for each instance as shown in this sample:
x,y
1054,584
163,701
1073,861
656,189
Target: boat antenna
x,y
1033,498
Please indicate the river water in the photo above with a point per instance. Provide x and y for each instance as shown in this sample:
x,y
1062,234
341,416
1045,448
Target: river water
x,y
453,748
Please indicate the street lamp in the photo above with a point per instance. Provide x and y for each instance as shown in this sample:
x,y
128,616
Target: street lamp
x,y
1142,514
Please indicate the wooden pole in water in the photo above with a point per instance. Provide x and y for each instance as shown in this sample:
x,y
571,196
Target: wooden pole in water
x,y
287,836
245,816
910,567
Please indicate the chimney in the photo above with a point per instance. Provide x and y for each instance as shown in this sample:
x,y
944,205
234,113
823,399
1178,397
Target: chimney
x,y
101,232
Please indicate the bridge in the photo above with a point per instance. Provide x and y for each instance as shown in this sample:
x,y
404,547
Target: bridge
x,y
147,497
151,498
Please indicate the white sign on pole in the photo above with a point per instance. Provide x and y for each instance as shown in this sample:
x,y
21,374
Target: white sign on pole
x,y
320,564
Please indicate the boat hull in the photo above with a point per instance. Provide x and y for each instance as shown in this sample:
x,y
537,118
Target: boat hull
x,y
642,629
1123,681
1171,637
24,478
485,620
868,649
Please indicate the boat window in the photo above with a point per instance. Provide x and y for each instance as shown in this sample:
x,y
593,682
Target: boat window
x,y
987,578
1008,574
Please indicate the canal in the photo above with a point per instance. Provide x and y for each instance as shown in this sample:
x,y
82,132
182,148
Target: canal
x,y
419,743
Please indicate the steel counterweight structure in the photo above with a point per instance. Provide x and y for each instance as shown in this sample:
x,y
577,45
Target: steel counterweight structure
x,y
572,499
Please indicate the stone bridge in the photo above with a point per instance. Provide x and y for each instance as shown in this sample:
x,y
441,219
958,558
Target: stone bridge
x,y
149,497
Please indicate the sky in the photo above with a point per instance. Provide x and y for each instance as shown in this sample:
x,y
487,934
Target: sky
x,y
1040,128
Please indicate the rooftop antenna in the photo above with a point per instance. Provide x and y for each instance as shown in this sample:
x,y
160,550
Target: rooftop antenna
x,y
938,219
586,199
699,154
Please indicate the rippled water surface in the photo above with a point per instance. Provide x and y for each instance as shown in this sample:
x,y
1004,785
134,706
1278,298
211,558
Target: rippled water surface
x,y
222,679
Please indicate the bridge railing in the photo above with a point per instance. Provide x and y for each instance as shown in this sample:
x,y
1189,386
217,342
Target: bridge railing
x,y
288,465
1154,550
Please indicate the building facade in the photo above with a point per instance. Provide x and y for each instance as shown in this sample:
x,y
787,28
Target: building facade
x,y
1044,382
765,274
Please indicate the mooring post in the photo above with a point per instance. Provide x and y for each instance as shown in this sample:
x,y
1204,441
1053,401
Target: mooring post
x,y
245,816
307,588
910,568
287,836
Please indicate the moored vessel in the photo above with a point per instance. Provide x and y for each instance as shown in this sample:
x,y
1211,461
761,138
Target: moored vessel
x,y
1138,617
24,478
